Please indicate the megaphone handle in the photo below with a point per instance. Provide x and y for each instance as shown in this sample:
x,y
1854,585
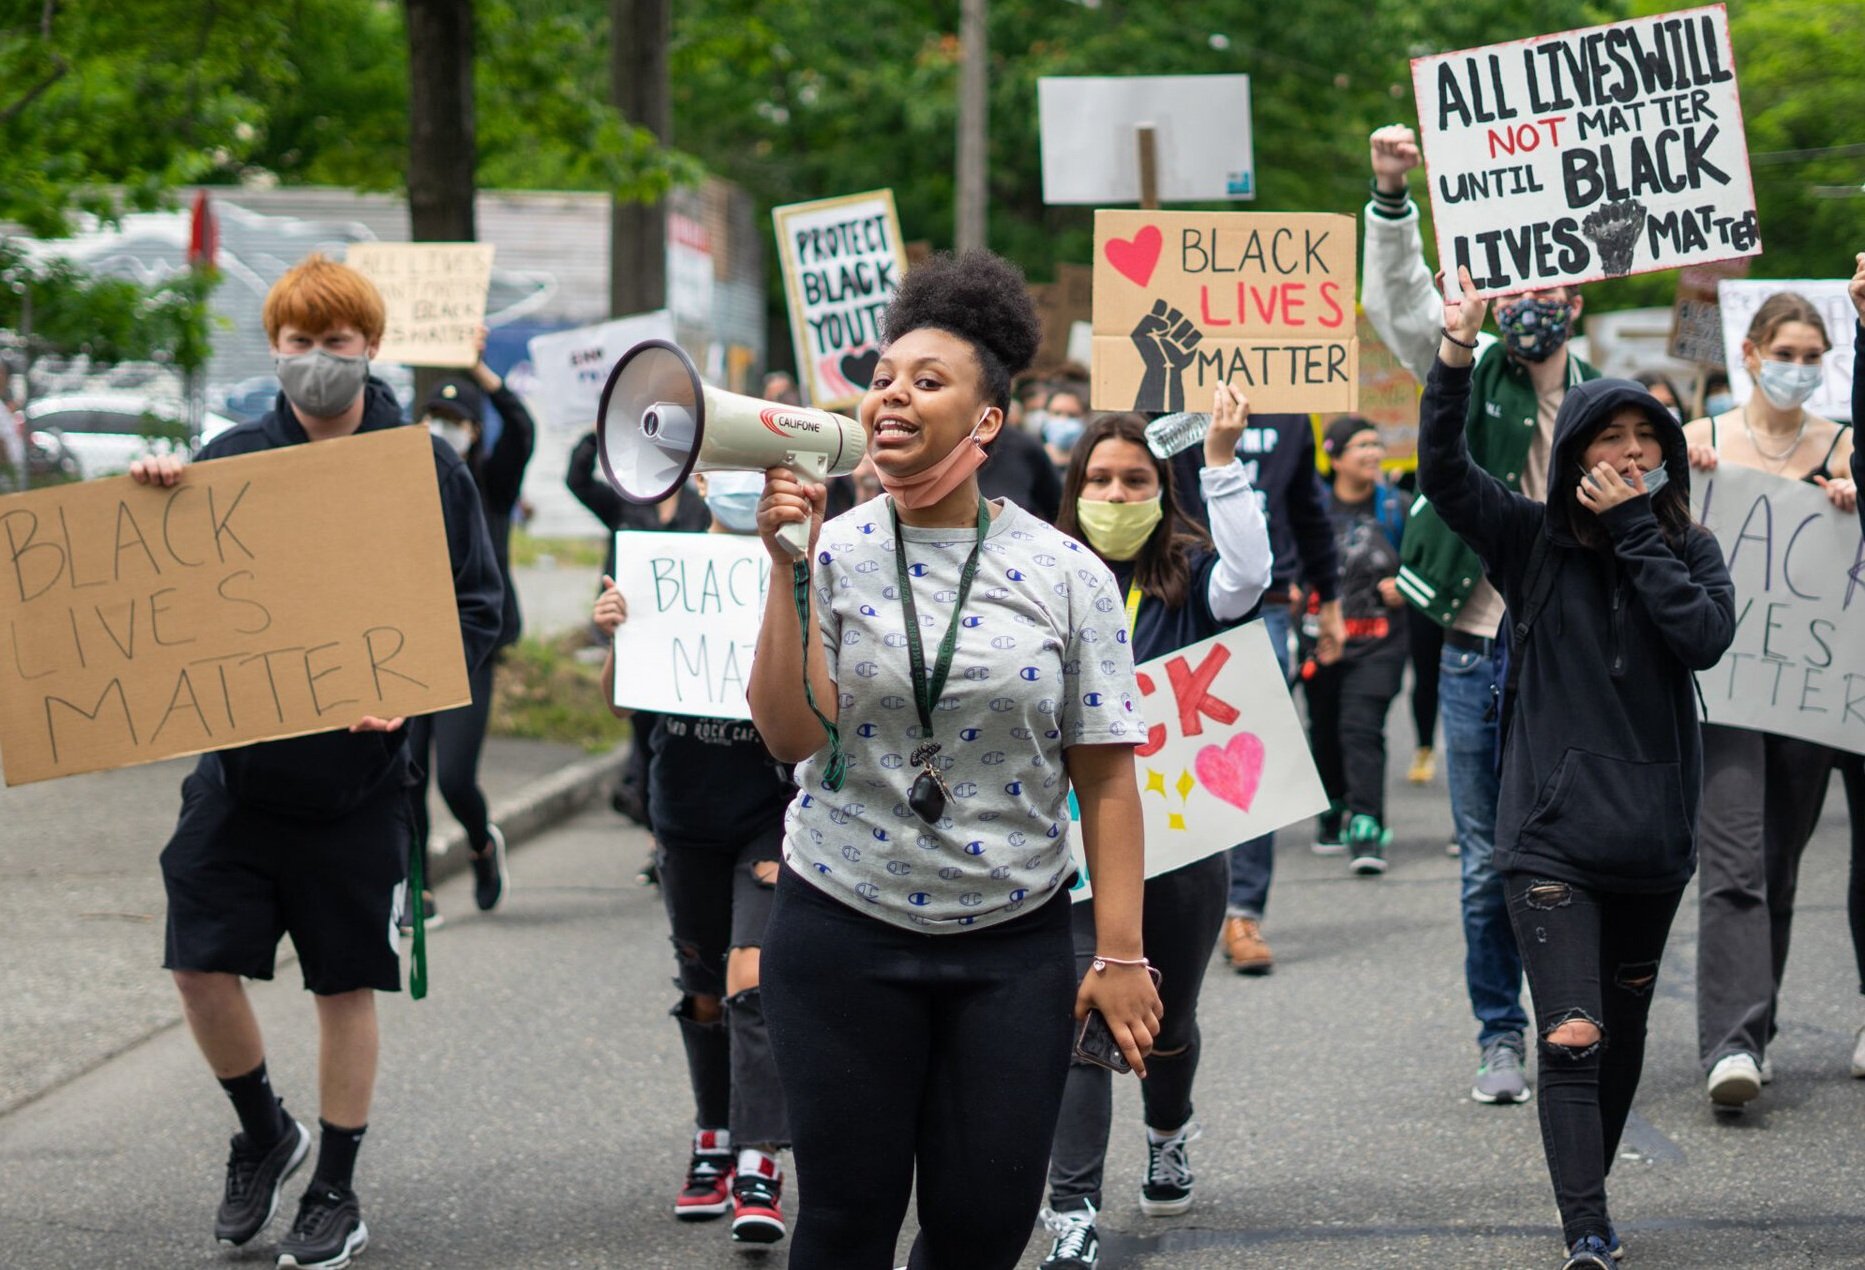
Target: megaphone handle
x,y
814,466
795,538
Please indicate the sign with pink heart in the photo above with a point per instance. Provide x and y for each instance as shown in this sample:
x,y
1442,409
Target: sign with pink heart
x,y
1226,758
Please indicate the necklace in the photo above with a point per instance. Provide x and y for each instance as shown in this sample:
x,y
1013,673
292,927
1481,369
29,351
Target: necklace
x,y
1784,455
929,794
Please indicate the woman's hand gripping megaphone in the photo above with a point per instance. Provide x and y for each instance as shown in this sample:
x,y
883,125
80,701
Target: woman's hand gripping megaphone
x,y
790,514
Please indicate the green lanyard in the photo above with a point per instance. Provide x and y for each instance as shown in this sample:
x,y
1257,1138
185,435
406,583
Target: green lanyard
x,y
928,794
835,772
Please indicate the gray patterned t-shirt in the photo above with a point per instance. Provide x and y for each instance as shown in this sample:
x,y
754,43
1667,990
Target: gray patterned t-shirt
x,y
1042,663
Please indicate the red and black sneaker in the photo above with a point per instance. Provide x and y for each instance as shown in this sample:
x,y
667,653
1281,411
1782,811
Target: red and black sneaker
x,y
757,1217
708,1190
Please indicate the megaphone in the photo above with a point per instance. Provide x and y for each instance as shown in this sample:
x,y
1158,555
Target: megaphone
x,y
658,423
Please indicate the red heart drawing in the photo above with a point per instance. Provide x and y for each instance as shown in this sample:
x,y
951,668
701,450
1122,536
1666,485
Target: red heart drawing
x,y
1137,256
1233,772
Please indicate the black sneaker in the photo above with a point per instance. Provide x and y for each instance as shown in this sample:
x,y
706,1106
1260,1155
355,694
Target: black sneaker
x,y
1077,1244
254,1180
329,1232
1166,1189
489,877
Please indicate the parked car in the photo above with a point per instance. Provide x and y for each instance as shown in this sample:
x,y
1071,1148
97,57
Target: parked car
x,y
106,432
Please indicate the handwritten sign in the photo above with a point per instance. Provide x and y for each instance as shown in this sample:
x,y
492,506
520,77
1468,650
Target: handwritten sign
x,y
1696,314
694,604
265,596
1589,154
1184,301
842,260
1799,570
1225,758
1739,298
572,366
436,298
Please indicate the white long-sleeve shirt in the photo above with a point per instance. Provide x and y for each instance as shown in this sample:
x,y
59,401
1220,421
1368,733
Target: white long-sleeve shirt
x,y
1400,295
1241,535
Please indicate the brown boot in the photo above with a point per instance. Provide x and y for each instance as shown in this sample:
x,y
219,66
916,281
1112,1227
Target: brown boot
x,y
1244,947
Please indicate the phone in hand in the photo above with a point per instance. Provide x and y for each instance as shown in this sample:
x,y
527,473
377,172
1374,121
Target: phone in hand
x,y
1095,1042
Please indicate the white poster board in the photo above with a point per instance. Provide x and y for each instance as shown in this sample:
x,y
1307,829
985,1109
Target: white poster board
x,y
842,260
1588,154
689,269
435,294
1738,298
1225,759
572,366
1202,145
1799,570
694,603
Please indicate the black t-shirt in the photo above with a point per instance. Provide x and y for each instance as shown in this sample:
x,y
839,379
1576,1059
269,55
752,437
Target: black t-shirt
x,y
1018,468
1366,535
711,782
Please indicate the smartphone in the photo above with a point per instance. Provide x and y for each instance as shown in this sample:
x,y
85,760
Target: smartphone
x,y
1095,1043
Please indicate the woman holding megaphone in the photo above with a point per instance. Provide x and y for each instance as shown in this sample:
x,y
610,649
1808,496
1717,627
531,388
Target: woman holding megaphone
x,y
963,667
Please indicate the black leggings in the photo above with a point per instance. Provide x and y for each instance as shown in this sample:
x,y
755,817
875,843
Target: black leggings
x,y
1347,707
1183,916
454,738
900,1050
1427,645
1590,956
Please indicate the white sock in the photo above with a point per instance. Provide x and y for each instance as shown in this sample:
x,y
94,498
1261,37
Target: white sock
x,y
1156,1138
712,1140
753,1161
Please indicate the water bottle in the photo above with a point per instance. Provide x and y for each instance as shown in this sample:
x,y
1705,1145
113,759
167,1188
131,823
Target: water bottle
x,y
1168,434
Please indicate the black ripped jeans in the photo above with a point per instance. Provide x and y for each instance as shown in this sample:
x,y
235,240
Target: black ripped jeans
x,y
1591,957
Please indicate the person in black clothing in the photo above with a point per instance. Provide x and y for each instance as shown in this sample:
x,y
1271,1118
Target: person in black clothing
x,y
308,836
455,412
1278,456
1614,597
1017,467
1348,700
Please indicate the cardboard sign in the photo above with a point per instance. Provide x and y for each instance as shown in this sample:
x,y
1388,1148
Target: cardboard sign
x,y
1184,301
1589,154
1061,304
842,260
1225,759
1202,145
436,298
1739,298
694,604
1798,565
265,596
1696,314
572,366
1389,397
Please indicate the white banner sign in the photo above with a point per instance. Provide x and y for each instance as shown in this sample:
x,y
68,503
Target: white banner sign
x,y
694,603
1225,759
1588,154
1799,571
842,261
1202,146
1740,297
435,294
572,366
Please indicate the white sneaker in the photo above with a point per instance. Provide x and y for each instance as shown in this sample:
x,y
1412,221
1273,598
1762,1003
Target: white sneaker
x,y
1735,1080
1767,1070
1858,1056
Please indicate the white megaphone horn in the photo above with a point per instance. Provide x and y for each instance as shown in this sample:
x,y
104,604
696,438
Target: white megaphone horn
x,y
658,423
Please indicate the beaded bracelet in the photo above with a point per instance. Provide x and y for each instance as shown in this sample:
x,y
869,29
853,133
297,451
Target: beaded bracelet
x,y
1445,332
1101,963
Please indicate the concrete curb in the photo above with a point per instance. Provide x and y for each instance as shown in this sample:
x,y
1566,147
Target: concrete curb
x,y
539,806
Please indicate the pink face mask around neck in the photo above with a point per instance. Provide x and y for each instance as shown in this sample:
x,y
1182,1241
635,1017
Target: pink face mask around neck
x,y
923,489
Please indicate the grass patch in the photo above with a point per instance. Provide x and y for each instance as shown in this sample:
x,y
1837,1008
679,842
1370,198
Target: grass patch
x,y
543,693
565,553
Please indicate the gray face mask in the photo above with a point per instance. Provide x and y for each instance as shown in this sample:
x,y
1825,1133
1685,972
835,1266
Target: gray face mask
x,y
321,384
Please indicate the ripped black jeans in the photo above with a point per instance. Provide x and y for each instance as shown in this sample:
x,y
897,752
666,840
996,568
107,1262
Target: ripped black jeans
x,y
1592,963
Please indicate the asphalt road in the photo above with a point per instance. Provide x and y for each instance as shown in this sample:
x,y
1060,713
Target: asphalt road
x,y
533,1112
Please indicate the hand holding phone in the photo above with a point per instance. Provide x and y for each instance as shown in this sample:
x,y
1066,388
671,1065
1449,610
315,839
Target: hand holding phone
x,y
1095,1042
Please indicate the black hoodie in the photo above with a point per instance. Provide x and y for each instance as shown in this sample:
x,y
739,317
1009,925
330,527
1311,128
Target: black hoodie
x,y
326,775
1602,768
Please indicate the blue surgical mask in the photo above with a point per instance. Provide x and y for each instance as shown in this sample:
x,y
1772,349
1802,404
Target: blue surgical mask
x,y
1063,431
1657,478
1719,403
732,498
1786,384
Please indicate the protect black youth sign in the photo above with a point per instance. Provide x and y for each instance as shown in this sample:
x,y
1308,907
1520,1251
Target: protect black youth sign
x,y
1589,154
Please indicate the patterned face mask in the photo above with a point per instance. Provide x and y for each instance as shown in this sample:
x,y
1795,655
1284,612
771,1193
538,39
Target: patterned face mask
x,y
1534,330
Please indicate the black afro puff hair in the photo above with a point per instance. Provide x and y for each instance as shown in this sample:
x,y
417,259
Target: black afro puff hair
x,y
979,297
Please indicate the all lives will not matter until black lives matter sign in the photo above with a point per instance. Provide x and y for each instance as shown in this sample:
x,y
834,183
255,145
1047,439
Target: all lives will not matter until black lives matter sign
x,y
1589,154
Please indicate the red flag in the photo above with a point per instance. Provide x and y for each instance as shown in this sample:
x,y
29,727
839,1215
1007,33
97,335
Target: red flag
x,y
203,234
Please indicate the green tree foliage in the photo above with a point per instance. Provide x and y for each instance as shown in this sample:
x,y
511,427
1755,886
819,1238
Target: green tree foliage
x,y
106,319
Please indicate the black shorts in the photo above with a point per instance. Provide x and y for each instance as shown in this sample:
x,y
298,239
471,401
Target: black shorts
x,y
238,879
715,903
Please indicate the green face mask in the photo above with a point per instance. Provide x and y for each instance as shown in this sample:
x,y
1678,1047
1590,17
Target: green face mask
x,y
1118,530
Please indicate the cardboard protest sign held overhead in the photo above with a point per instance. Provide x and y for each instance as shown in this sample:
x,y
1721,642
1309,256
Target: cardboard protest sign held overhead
x,y
1185,301
1589,154
1696,314
1798,565
1739,298
1225,758
1202,146
572,366
265,596
843,259
694,604
436,298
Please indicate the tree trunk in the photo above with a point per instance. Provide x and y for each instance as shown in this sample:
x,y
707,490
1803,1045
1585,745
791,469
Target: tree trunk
x,y
639,31
971,215
442,149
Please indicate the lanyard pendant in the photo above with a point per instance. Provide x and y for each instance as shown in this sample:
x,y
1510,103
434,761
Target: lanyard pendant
x,y
928,795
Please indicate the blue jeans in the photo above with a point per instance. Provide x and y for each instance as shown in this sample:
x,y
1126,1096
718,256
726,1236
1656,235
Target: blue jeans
x,y
1253,862
1492,963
